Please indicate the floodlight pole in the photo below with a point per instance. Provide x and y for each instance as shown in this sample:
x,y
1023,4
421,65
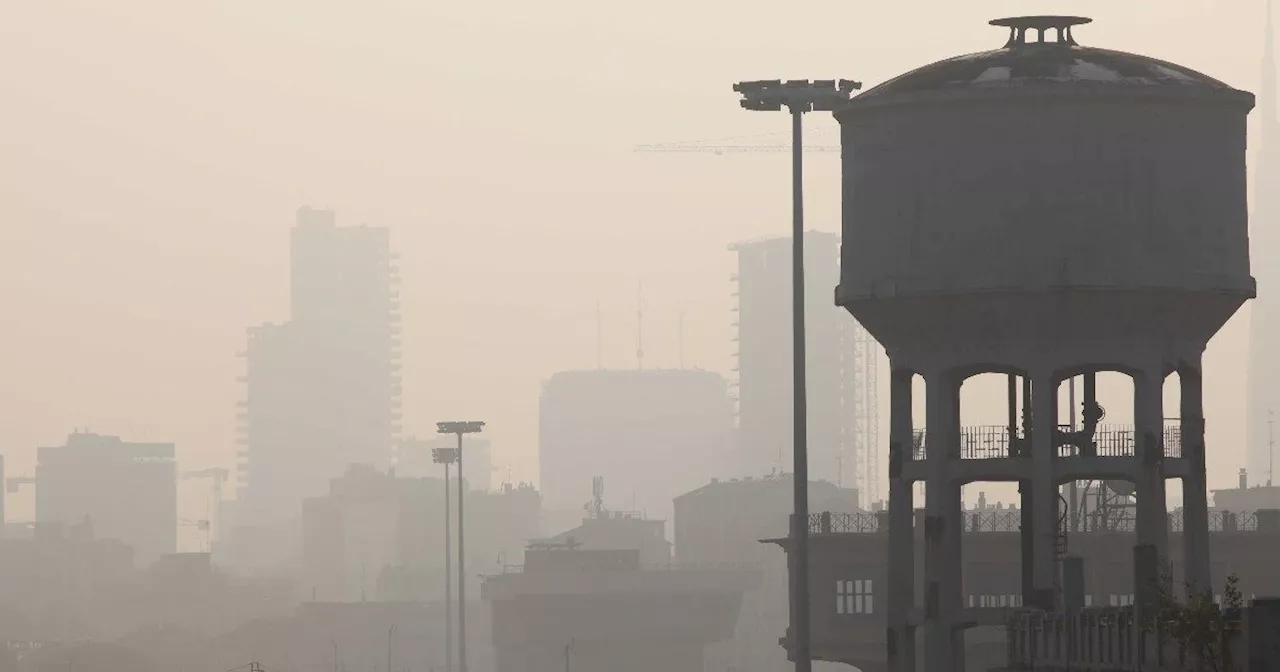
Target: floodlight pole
x,y
798,97
448,579
445,456
462,568
460,428
799,400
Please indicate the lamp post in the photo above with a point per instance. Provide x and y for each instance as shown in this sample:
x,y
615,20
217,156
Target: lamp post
x,y
447,456
798,96
460,428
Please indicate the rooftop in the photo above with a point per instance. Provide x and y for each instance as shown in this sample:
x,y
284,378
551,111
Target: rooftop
x,y
1041,50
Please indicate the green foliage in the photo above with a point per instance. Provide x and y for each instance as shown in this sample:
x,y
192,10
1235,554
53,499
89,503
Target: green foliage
x,y
1198,626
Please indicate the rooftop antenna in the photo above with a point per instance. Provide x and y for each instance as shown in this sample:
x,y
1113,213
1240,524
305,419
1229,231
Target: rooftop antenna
x,y
597,496
640,325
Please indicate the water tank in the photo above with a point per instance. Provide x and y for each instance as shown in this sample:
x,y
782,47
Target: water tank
x,y
1045,191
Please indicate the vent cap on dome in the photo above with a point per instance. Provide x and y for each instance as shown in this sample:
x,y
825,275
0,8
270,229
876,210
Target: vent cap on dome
x,y
1047,30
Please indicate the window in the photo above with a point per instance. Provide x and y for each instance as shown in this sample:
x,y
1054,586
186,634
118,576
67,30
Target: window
x,y
855,597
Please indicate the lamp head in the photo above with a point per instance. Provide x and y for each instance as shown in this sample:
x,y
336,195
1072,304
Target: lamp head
x,y
460,427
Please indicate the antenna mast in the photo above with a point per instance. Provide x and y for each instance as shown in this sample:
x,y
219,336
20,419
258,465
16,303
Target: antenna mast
x,y
596,507
599,337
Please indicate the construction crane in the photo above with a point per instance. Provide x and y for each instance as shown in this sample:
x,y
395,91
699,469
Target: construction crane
x,y
732,149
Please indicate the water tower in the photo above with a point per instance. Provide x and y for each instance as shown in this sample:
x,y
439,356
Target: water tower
x,y
1042,210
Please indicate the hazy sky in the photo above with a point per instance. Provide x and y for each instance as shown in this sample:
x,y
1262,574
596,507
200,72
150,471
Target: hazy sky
x,y
152,154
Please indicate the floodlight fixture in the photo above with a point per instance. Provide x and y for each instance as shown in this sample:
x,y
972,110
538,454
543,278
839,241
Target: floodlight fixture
x,y
797,95
460,427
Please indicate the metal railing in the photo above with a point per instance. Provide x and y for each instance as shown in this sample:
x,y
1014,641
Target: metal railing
x,y
828,522
1101,638
1010,520
986,442
1096,637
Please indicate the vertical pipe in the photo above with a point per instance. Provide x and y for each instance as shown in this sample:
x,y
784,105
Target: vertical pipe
x,y
448,579
1013,413
1073,490
800,574
902,562
1027,502
1026,409
462,569
1090,390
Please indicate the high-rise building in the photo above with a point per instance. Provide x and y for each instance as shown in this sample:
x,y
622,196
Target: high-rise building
x,y
124,491
1264,311
323,388
651,434
841,357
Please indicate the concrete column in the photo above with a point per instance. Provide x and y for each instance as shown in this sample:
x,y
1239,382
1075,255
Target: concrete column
x,y
1148,415
942,524
902,562
1195,498
1044,514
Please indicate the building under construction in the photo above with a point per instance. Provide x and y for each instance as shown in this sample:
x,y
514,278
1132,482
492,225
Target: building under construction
x,y
841,371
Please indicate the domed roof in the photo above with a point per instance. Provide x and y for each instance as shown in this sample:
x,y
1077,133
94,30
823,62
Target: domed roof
x,y
1041,51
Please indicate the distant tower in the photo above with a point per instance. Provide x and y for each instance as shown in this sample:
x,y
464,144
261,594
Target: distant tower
x,y
1264,320
322,390
841,374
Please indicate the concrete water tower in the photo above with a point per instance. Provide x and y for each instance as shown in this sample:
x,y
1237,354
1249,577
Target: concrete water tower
x,y
1042,210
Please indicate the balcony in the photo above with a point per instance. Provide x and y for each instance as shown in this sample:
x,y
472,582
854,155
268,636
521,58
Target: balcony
x,y
1010,520
989,442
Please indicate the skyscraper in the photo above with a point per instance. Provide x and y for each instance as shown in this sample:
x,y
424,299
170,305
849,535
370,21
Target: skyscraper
x,y
322,388
1264,318
841,361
